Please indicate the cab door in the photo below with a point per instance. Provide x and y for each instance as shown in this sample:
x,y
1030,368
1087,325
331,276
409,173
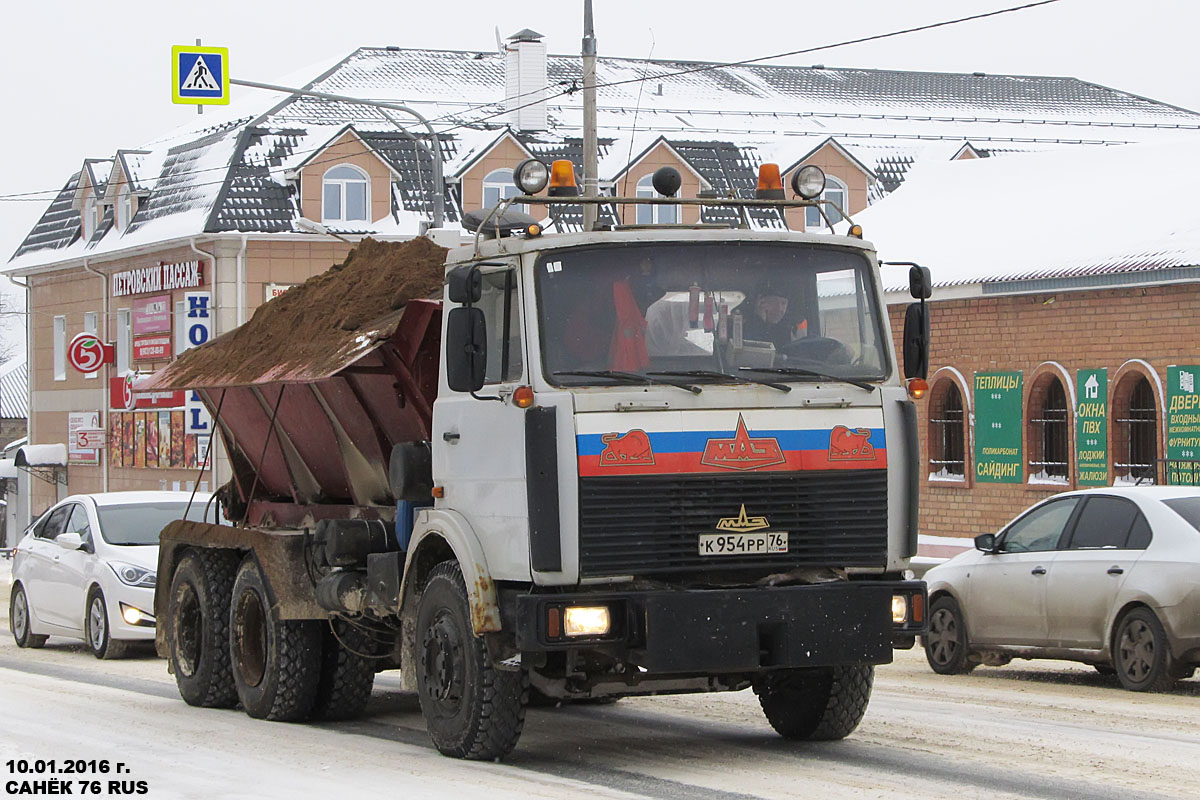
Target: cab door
x,y
479,439
1108,537
1007,596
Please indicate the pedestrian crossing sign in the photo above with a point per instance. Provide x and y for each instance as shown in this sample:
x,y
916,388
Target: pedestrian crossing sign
x,y
200,75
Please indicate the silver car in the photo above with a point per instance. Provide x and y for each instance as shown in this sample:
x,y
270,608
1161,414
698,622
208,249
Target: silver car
x,y
1109,577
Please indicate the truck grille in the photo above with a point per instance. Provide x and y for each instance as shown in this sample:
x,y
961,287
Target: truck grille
x,y
650,524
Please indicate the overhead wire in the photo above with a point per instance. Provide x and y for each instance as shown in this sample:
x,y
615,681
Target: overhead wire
x,y
52,194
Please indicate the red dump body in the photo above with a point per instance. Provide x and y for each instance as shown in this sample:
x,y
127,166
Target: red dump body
x,y
336,419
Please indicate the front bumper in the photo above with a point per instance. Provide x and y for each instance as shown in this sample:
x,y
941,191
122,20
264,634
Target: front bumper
x,y
714,631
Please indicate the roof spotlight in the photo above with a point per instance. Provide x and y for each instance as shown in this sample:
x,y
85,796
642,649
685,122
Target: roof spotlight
x,y
808,182
666,181
531,176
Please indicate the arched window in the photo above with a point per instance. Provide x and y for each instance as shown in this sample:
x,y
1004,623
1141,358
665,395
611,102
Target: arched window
x,y
498,186
1135,431
947,452
1049,431
653,215
346,194
90,218
124,207
836,191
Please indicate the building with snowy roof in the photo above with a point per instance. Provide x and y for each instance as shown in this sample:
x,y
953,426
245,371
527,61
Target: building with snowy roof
x,y
211,220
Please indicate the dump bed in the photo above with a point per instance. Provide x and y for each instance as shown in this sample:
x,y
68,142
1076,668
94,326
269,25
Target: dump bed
x,y
313,392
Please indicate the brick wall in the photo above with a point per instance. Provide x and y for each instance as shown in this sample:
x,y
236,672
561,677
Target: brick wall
x,y
1115,329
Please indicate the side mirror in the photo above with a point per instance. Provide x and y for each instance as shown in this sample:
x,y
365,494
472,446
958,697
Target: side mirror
x,y
69,541
464,284
920,284
916,341
466,349
986,542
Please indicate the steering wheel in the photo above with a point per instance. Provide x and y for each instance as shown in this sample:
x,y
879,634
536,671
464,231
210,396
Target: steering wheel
x,y
819,349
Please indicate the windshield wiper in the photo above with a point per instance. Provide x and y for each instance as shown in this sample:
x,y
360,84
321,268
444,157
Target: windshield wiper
x,y
810,374
714,374
631,377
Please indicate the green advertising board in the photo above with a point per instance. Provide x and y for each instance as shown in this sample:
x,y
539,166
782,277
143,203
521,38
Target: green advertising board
x,y
998,427
1091,426
1183,426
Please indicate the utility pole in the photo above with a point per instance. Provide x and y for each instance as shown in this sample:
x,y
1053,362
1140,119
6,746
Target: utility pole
x,y
591,147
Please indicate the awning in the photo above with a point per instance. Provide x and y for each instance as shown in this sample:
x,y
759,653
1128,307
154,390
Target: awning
x,y
41,455
8,468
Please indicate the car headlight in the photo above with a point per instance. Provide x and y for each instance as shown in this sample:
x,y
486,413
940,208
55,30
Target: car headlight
x,y
132,575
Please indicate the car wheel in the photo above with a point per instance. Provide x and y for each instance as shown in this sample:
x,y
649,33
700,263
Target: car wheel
x,y
96,629
471,709
198,627
821,704
946,646
1141,654
18,620
276,663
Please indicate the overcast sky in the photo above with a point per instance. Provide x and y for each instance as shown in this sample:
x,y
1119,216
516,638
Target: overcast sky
x,y
82,79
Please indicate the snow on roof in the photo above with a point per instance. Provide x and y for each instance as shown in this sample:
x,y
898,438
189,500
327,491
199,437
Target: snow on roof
x,y
42,455
231,173
1043,215
14,389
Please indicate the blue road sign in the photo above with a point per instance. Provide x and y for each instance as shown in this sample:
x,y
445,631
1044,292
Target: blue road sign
x,y
200,75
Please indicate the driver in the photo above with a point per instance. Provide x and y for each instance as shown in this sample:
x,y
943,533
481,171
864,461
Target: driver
x,y
765,321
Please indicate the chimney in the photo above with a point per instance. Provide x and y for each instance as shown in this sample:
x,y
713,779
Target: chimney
x,y
525,81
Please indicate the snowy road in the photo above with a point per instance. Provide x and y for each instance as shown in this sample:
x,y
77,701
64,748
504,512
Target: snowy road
x,y
1044,730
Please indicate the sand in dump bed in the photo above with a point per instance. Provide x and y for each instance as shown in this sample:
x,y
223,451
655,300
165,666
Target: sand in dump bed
x,y
310,322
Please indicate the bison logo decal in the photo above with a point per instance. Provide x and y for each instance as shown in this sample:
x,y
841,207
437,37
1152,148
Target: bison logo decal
x,y
850,445
630,448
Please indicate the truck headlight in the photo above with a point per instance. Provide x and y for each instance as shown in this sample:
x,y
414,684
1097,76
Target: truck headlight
x,y
899,609
586,620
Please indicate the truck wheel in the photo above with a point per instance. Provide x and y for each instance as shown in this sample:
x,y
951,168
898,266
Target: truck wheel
x,y
946,646
819,704
276,663
471,709
198,627
1141,654
347,672
97,630
18,620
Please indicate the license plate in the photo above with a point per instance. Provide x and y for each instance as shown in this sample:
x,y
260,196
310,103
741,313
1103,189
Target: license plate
x,y
743,544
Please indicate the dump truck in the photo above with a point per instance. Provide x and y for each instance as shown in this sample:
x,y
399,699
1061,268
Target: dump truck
x,y
572,466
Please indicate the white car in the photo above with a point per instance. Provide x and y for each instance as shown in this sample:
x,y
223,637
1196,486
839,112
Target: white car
x,y
1107,576
86,568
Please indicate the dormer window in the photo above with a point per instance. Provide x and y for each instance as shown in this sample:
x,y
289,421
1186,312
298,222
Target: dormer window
x,y
498,186
346,194
654,215
124,207
90,220
836,191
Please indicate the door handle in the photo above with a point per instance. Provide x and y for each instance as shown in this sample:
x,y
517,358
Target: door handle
x,y
1038,571
450,436
1114,570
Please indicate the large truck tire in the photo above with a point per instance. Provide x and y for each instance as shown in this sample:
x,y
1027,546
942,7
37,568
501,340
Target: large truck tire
x,y
198,627
819,704
471,709
276,663
348,656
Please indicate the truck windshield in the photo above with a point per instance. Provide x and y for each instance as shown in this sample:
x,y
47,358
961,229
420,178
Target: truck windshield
x,y
720,307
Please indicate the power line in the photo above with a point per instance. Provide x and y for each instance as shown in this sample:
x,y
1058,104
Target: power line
x,y
52,194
